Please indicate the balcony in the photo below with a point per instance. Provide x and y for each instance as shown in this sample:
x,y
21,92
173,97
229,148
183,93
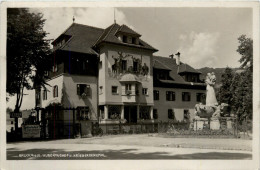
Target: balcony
x,y
129,96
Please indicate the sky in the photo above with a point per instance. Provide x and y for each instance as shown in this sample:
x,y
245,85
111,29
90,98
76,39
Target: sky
x,y
205,37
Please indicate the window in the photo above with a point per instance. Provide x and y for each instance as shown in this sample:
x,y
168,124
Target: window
x,y
129,40
145,91
171,114
200,97
144,112
155,114
128,89
102,112
100,89
186,96
124,39
12,122
114,112
135,66
83,89
156,95
84,65
124,65
133,40
55,91
162,75
170,96
44,95
191,77
83,113
114,90
136,89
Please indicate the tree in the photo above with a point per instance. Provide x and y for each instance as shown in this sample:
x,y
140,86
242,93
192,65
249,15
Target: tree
x,y
236,89
245,49
27,52
225,94
243,96
243,92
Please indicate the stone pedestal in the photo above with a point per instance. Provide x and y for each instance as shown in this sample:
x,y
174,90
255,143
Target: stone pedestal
x,y
214,124
229,124
199,123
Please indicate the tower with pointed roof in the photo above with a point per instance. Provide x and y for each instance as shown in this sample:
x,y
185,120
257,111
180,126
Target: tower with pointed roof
x,y
125,76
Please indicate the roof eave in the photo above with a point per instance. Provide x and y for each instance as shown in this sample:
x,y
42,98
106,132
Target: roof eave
x,y
189,72
131,34
185,83
125,44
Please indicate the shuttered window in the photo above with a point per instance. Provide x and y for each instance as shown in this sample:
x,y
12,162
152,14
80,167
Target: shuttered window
x,y
145,91
171,114
83,89
170,96
186,96
55,91
156,94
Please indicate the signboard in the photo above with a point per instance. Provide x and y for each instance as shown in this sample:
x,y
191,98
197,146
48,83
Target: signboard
x,y
14,115
31,131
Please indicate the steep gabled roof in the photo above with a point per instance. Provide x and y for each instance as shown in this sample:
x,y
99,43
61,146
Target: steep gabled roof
x,y
82,38
175,70
158,65
170,63
109,36
125,29
106,35
185,68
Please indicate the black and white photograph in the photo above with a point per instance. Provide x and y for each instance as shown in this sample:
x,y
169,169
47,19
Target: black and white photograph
x,y
129,85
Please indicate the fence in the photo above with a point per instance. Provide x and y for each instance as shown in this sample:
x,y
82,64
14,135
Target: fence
x,y
129,128
227,127
164,127
60,129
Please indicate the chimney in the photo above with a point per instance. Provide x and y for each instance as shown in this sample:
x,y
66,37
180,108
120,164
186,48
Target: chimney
x,y
171,56
178,61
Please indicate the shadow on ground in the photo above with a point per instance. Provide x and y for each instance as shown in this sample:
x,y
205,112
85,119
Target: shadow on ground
x,y
110,154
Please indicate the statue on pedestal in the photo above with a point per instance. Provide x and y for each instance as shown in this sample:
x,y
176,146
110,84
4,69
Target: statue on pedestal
x,y
212,109
210,96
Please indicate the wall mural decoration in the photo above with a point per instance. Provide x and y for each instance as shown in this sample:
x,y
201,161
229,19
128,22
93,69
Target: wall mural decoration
x,y
124,64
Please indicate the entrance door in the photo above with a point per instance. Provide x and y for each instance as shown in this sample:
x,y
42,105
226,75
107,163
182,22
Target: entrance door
x,y
130,114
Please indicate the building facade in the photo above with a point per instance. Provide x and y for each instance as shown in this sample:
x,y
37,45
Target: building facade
x,y
125,76
177,88
111,76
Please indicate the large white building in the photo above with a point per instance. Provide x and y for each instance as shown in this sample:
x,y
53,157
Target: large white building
x,y
111,75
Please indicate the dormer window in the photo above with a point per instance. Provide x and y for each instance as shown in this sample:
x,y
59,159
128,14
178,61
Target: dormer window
x,y
60,41
124,39
133,40
129,40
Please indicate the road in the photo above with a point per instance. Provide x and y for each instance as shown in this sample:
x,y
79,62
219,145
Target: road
x,y
135,147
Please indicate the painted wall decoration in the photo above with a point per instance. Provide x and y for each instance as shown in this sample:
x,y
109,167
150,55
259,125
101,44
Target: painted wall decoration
x,y
120,64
